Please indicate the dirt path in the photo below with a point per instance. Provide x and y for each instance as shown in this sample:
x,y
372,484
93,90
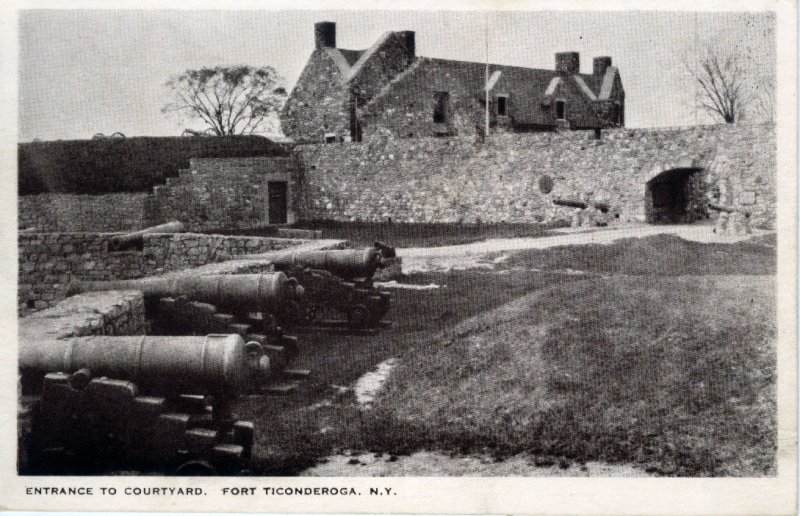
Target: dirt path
x,y
474,255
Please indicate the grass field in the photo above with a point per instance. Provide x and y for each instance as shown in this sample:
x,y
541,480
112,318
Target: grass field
x,y
661,356
676,375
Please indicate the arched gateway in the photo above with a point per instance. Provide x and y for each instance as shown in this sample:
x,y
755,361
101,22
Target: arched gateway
x,y
676,196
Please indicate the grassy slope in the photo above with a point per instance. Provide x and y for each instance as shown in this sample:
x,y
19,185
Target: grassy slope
x,y
660,255
295,432
675,374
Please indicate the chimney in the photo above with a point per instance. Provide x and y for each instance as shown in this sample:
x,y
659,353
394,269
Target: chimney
x,y
325,35
407,36
568,62
601,64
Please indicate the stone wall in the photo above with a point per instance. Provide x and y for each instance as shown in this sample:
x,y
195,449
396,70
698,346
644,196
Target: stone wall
x,y
465,180
73,212
319,103
92,313
227,193
49,261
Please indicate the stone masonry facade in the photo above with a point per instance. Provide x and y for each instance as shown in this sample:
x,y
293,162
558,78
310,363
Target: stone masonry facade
x,y
456,179
228,193
74,212
465,180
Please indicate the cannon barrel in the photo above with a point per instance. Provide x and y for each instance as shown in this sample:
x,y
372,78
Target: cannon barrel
x,y
346,263
571,203
214,364
267,292
128,240
727,209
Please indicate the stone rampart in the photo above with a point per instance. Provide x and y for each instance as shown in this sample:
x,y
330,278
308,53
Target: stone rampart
x,y
505,178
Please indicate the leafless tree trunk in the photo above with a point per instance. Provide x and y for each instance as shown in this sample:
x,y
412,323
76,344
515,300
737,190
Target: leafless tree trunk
x,y
722,81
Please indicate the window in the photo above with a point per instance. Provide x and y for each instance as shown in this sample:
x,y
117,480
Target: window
x,y
561,110
502,103
617,113
440,107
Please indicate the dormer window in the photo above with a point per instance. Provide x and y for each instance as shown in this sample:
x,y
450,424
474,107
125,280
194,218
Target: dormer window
x,y
502,105
561,110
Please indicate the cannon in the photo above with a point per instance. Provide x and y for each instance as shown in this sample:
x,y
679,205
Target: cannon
x,y
574,203
242,293
251,305
136,239
340,280
570,203
728,209
345,263
144,402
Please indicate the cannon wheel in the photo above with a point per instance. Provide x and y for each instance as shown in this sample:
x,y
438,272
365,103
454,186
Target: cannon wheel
x,y
358,316
196,468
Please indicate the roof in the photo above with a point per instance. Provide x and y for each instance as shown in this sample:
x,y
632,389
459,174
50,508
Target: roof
x,y
530,87
351,55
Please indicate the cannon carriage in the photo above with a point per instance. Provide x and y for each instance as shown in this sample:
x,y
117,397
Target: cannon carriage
x,y
147,402
339,280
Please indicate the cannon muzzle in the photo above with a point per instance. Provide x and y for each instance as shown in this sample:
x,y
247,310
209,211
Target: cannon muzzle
x,y
215,364
267,292
136,239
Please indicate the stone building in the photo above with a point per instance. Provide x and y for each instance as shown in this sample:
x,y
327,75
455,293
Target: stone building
x,y
350,95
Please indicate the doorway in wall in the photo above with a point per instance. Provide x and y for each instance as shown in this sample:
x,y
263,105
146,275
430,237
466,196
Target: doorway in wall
x,y
276,193
676,196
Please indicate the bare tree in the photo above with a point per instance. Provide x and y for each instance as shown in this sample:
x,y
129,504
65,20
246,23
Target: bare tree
x,y
731,87
722,79
229,100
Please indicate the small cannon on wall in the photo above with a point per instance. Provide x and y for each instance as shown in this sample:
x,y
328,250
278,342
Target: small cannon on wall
x,y
734,221
135,240
140,401
340,280
605,209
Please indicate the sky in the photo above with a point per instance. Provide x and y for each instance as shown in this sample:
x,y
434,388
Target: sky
x,y
83,72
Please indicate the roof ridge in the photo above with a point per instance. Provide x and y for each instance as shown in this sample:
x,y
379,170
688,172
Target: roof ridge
x,y
584,88
418,61
339,60
608,83
358,65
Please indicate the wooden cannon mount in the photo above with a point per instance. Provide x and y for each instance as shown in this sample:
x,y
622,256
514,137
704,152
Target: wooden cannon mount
x,y
145,402
607,212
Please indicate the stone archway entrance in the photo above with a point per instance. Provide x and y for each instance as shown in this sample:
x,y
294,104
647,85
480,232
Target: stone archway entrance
x,y
676,196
